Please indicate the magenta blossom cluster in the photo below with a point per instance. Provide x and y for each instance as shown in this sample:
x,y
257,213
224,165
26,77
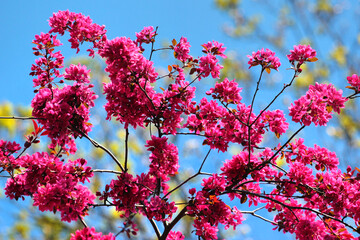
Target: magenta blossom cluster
x,y
90,234
81,29
47,67
221,126
158,208
175,236
131,97
131,75
317,105
209,64
301,54
7,160
127,191
276,121
354,81
53,185
214,48
209,210
265,58
77,73
163,158
65,113
182,50
146,36
226,91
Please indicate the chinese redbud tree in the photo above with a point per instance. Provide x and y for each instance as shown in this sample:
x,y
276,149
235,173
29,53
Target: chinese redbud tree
x,y
309,196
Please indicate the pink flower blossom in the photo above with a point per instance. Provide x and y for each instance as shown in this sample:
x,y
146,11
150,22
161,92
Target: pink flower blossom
x,y
64,113
214,48
81,29
317,105
182,50
158,209
163,158
90,234
146,35
354,81
309,228
77,73
71,200
226,91
175,236
131,74
46,68
276,121
209,65
301,54
127,191
265,58
53,185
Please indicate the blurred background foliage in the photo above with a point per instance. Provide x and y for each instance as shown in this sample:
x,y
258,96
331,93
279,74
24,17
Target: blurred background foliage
x,y
330,27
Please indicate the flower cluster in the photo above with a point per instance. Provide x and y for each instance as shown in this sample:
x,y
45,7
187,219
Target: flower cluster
x,y
52,184
301,54
221,126
354,81
127,191
226,91
46,68
158,208
81,29
163,158
129,92
317,105
64,113
78,73
173,102
317,156
146,35
175,236
7,160
209,210
276,121
182,50
90,234
209,64
265,58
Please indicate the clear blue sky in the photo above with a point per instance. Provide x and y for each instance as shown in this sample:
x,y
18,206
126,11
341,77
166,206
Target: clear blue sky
x,y
197,20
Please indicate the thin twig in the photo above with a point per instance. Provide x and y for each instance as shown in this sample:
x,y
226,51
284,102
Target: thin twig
x,y
82,221
191,177
18,118
295,207
97,145
272,101
152,43
251,109
106,171
126,149
253,213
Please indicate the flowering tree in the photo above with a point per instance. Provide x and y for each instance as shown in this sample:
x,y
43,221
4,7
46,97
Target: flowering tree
x,y
321,24
310,197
